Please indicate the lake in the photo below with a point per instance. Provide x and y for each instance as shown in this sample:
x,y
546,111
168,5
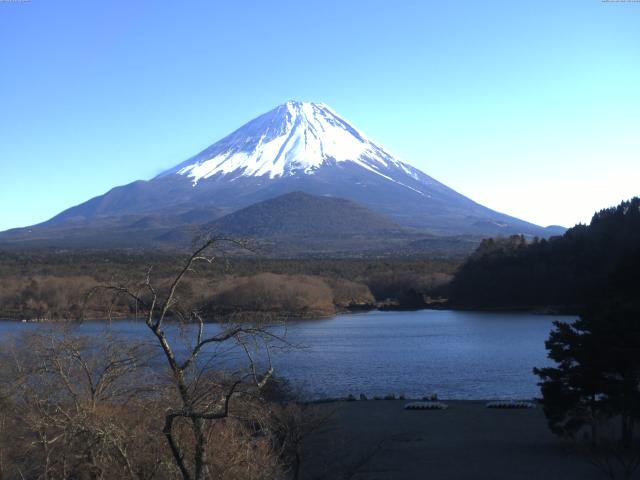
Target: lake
x,y
455,354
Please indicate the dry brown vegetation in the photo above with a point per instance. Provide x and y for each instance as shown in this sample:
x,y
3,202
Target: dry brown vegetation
x,y
301,294
102,407
74,407
42,296
52,285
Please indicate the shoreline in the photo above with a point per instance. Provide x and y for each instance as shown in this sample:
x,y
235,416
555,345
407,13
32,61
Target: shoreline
x,y
310,316
381,399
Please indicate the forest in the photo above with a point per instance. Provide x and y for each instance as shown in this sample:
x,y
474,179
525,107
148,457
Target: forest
x,y
588,264
53,284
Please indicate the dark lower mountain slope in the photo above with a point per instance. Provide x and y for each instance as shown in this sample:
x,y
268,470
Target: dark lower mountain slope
x,y
440,211
291,225
125,231
298,224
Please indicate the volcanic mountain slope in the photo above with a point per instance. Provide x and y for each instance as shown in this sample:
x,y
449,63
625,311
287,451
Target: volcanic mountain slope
x,y
296,147
299,215
298,224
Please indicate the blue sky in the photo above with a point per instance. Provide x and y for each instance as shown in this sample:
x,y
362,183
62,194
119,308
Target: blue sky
x,y
531,108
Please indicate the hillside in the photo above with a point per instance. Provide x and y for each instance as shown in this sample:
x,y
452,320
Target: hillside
x,y
298,214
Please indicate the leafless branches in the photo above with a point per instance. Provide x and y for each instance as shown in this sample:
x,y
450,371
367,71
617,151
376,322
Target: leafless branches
x,y
69,406
188,404
199,402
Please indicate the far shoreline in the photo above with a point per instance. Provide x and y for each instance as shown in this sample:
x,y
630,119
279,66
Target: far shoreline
x,y
279,316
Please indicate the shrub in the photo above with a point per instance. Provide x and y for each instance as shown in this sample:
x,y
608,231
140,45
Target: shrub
x,y
270,292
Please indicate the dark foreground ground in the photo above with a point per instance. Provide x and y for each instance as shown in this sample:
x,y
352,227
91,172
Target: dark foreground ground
x,y
380,440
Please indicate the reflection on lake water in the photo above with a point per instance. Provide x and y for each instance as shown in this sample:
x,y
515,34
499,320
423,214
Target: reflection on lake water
x,y
458,355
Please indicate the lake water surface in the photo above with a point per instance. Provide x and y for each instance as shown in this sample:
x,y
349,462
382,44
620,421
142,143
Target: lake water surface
x,y
458,355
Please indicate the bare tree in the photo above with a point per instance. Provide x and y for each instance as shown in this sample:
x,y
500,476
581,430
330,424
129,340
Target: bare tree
x,y
202,397
69,407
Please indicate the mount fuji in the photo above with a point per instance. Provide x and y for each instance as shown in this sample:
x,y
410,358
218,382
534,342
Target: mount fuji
x,y
296,147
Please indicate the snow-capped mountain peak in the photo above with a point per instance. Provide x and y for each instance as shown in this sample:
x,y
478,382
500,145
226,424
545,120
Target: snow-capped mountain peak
x,y
294,138
296,147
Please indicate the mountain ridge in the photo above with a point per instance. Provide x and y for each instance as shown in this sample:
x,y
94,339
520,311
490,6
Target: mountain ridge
x,y
296,147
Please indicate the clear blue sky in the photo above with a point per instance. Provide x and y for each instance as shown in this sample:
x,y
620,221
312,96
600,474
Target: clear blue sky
x,y
532,108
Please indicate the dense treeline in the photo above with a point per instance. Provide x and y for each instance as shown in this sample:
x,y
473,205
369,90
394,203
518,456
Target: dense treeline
x,y
104,265
53,284
587,264
596,379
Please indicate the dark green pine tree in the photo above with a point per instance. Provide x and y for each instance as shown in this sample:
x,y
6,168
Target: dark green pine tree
x,y
597,375
572,391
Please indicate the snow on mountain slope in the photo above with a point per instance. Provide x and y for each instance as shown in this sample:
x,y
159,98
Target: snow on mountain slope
x,y
294,138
